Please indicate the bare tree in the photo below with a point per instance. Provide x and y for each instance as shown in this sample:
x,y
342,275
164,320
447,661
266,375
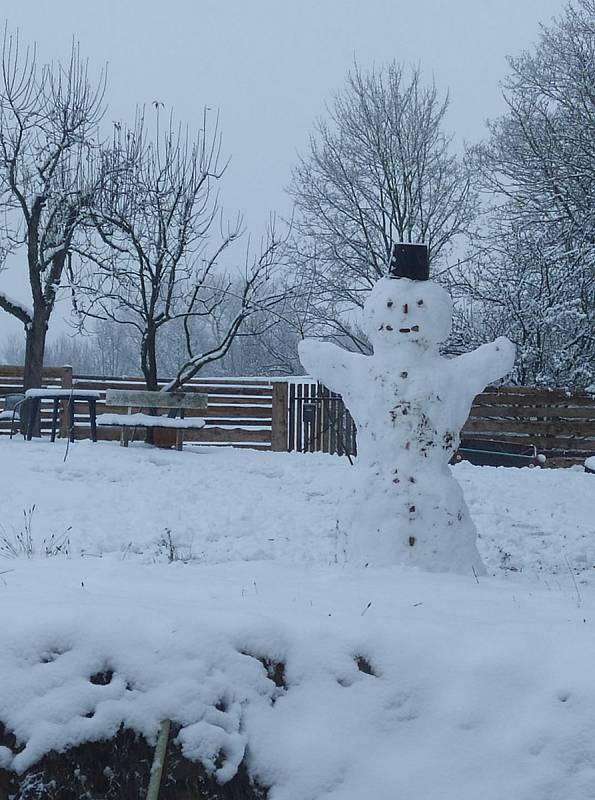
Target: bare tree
x,y
265,347
100,351
540,155
48,127
259,295
377,172
157,242
537,277
249,332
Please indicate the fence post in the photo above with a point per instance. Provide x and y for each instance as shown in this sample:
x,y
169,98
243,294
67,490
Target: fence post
x,y
66,376
279,441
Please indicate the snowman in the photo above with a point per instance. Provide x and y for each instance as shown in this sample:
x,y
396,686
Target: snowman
x,y
402,504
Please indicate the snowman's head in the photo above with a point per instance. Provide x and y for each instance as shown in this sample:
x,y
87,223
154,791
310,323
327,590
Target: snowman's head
x,y
404,311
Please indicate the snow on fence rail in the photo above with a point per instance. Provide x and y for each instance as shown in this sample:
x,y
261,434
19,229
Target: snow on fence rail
x,y
298,414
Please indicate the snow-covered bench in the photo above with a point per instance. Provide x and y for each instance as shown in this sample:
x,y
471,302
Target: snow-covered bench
x,y
174,401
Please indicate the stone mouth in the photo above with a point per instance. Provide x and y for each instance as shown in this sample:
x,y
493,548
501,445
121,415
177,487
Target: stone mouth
x,y
413,329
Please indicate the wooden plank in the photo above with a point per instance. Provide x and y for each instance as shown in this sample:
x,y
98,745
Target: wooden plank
x,y
536,407
574,445
562,462
534,399
299,413
8,386
324,393
14,371
203,436
251,411
216,412
138,399
249,405
237,422
313,433
227,393
353,434
228,435
334,421
522,412
240,400
535,390
541,441
318,418
247,391
110,379
291,421
279,422
66,380
306,419
199,382
532,427
264,447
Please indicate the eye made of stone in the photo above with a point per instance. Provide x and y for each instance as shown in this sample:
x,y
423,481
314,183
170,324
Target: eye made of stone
x,y
390,304
420,302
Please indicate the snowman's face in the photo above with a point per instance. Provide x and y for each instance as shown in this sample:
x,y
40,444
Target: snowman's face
x,y
400,310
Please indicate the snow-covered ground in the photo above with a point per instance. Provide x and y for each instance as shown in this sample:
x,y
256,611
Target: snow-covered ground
x,y
184,569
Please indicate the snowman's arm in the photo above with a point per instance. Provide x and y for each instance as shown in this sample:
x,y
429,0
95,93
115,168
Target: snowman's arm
x,y
486,364
330,364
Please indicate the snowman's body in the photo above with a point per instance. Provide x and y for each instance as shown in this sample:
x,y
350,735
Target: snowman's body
x,y
409,404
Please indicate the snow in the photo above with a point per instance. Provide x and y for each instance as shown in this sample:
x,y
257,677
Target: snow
x,y
590,463
11,301
186,569
48,393
148,421
409,404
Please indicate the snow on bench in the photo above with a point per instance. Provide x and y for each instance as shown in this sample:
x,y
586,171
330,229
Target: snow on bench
x,y
178,401
139,420
51,393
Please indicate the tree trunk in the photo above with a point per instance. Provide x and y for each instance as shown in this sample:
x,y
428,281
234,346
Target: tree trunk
x,y
35,333
149,368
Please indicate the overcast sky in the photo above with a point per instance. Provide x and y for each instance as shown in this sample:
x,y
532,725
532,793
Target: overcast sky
x,y
269,66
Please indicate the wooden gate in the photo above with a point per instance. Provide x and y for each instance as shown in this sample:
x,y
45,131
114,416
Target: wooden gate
x,y
318,421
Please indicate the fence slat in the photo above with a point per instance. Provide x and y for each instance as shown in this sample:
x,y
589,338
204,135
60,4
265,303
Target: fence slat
x,y
279,418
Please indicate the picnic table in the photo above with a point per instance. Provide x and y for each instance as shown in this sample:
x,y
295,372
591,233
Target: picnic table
x,y
33,398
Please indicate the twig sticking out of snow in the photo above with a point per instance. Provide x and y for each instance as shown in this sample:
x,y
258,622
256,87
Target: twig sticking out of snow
x,y
158,761
578,594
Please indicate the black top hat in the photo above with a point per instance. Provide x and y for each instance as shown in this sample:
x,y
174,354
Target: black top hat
x,y
410,261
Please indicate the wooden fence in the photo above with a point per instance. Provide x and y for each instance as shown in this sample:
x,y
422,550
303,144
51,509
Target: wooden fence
x,y
241,412
561,424
302,415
